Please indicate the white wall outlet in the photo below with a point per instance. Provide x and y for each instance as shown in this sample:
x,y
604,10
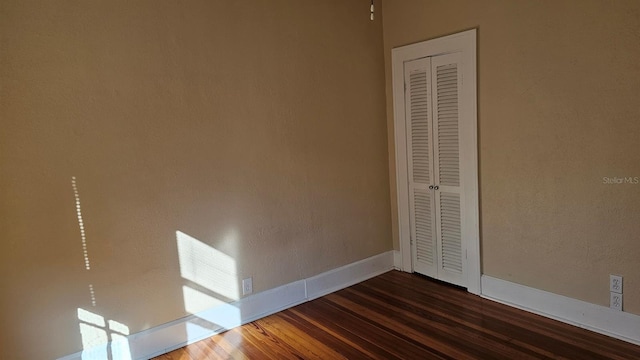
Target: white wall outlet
x,y
616,301
247,286
615,284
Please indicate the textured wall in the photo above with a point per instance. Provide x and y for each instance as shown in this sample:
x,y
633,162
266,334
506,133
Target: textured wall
x,y
558,111
256,127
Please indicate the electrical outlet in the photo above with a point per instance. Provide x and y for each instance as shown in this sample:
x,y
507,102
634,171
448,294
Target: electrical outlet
x,y
616,301
615,284
247,286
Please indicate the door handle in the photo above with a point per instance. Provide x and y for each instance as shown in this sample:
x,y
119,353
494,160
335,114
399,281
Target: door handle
x,y
431,187
436,187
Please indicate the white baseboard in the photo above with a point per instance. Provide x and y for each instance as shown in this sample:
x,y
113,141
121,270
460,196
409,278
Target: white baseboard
x,y
601,319
176,334
397,260
345,276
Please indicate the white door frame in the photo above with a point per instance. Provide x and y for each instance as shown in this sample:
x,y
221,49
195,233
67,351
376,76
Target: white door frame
x,y
465,43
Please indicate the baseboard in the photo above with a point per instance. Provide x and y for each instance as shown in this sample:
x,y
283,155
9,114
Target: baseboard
x,y
346,276
601,319
176,334
397,260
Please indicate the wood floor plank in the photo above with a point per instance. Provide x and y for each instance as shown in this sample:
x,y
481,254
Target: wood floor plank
x,y
500,318
391,323
228,343
302,337
329,339
405,316
455,329
257,335
419,329
380,342
540,332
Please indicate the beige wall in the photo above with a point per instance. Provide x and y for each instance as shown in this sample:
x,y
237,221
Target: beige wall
x,y
256,127
558,110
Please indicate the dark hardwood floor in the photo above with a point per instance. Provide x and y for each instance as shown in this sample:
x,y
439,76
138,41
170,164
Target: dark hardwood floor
x,y
405,316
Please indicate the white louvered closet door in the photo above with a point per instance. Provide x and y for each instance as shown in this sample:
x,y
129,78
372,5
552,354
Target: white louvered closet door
x,y
432,106
448,191
418,107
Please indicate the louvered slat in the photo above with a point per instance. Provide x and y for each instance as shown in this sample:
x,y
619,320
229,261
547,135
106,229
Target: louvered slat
x,y
419,105
423,226
451,232
447,120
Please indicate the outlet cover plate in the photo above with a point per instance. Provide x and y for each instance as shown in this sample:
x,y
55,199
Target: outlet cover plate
x,y
247,286
616,301
615,284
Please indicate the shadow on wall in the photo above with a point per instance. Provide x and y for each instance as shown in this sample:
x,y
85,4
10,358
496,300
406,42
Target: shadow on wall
x,y
211,285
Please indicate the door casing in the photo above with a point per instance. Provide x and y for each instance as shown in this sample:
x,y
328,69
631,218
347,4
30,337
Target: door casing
x,y
465,43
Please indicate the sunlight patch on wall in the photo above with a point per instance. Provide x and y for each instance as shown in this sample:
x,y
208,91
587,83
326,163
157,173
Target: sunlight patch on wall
x,y
92,294
207,267
196,301
94,342
226,315
91,318
103,340
83,236
211,309
120,347
214,282
118,327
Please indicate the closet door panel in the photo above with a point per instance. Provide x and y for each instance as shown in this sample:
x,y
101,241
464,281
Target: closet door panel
x,y
446,84
418,107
